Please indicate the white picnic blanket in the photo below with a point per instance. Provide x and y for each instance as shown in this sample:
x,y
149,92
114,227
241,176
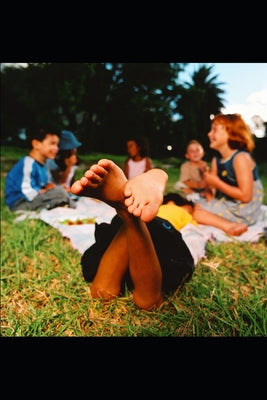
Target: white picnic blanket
x,y
82,237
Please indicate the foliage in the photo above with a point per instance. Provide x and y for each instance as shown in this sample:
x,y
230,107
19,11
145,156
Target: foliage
x,y
198,101
105,103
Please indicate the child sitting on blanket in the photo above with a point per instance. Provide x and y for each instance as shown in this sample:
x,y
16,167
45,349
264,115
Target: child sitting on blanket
x,y
191,182
233,175
63,167
27,185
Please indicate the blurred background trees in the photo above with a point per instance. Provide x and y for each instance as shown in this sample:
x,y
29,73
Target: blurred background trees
x,y
105,103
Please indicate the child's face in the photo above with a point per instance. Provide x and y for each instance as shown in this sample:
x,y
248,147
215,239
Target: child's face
x,y
48,148
132,148
194,152
218,136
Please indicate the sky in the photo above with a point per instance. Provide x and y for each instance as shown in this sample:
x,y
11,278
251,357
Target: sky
x,y
245,88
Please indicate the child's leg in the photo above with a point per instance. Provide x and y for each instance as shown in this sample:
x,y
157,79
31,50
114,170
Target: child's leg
x,y
144,266
207,218
112,267
132,246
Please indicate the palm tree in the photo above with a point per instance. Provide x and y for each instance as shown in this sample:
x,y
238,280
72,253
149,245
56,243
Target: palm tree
x,y
198,101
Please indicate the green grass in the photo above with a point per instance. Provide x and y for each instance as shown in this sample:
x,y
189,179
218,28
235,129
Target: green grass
x,y
44,294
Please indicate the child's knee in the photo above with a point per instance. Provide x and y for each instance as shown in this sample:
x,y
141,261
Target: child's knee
x,y
148,304
104,293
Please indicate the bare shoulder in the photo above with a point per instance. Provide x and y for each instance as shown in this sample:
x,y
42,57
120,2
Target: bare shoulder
x,y
243,158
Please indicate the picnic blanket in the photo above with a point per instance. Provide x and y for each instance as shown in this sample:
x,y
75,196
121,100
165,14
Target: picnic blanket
x,y
78,225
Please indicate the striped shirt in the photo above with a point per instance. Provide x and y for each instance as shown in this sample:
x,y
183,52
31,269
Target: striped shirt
x,y
25,180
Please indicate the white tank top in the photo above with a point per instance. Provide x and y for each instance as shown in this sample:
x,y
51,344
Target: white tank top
x,y
136,167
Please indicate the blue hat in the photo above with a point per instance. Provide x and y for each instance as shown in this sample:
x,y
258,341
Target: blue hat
x,y
68,141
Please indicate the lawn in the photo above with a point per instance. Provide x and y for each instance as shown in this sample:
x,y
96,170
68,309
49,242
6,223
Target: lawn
x,y
44,294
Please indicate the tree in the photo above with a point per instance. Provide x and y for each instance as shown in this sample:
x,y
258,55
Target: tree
x,y
139,103
198,101
103,103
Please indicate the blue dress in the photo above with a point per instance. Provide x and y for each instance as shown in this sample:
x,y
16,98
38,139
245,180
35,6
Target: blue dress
x,y
230,208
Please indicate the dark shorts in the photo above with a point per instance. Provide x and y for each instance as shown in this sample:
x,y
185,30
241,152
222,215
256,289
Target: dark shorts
x,y
176,261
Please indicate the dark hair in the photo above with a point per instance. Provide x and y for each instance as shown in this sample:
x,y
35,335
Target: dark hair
x,y
177,199
61,156
142,143
40,133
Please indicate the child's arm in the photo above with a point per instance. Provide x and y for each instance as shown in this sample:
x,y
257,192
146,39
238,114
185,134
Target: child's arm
x,y
243,165
49,186
149,164
186,178
126,168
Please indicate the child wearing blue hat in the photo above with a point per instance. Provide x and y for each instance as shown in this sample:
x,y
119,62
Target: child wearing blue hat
x,y
62,168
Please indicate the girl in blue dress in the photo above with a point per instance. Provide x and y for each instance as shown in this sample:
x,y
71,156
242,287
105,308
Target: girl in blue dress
x,y
234,175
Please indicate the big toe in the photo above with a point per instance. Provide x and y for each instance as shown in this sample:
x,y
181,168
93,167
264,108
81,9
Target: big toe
x,y
76,187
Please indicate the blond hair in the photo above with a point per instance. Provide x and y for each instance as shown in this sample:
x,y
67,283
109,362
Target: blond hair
x,y
194,141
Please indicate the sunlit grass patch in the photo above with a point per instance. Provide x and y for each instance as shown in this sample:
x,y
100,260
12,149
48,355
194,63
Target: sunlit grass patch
x,y
43,292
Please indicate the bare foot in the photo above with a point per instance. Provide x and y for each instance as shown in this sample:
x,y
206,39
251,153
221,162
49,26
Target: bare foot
x,y
141,195
144,194
237,229
205,217
104,181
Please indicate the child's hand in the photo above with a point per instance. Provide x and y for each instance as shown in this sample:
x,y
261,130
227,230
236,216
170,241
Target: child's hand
x,y
211,179
207,194
204,167
49,186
